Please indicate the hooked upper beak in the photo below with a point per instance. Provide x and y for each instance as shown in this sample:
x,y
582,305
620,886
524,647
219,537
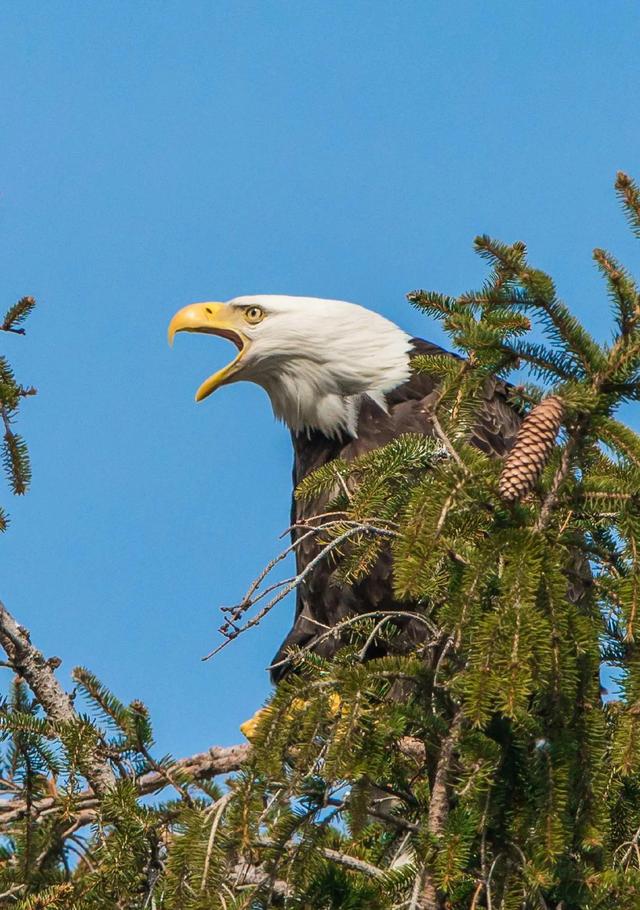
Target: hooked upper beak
x,y
212,319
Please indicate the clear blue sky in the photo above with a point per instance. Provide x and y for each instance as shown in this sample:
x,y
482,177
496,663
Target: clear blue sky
x,y
158,153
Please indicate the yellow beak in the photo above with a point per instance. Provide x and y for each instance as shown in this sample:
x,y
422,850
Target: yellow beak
x,y
212,319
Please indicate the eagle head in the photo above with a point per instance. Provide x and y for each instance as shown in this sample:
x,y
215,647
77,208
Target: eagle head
x,y
315,358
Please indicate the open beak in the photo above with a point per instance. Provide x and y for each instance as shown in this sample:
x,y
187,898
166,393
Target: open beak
x,y
212,319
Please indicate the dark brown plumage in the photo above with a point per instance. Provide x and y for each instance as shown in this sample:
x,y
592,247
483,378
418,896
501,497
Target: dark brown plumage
x,y
321,602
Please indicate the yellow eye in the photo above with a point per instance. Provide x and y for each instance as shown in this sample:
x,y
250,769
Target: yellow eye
x,y
254,314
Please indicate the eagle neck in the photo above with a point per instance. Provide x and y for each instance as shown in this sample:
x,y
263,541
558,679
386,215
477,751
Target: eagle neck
x,y
312,450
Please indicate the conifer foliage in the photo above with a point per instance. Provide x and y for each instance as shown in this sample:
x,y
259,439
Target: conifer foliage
x,y
483,769
15,456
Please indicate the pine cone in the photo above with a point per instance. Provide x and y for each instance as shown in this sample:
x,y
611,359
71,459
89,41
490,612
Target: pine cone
x,y
532,448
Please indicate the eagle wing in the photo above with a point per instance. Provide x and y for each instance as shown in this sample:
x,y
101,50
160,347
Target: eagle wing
x,y
321,602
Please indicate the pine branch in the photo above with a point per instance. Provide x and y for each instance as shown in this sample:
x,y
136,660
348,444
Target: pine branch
x,y
16,315
629,194
623,291
37,672
15,457
202,766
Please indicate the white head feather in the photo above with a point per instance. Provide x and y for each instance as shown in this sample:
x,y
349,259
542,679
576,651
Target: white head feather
x,y
317,358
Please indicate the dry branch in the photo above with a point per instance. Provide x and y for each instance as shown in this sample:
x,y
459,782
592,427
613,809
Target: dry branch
x,y
336,856
230,630
202,766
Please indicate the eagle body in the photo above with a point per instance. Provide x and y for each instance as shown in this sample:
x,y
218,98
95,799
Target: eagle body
x,y
340,376
321,602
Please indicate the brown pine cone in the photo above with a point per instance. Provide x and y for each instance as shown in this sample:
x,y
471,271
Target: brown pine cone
x,y
532,448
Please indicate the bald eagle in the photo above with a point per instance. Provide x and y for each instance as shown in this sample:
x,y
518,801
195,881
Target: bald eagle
x,y
340,377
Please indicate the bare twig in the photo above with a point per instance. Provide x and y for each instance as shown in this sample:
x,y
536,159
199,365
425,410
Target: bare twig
x,y
352,862
632,846
560,476
232,631
444,439
218,810
166,774
336,856
363,651
343,484
335,516
248,600
14,889
396,820
334,630
489,877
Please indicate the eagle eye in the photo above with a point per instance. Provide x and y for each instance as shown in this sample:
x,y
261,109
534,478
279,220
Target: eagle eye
x,y
254,315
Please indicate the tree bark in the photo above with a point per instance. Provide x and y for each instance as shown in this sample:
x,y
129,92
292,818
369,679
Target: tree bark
x,y
439,808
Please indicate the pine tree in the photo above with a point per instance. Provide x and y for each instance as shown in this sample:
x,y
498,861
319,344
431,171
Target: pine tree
x,y
15,457
482,770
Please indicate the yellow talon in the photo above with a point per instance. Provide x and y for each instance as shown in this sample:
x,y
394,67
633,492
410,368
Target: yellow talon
x,y
249,727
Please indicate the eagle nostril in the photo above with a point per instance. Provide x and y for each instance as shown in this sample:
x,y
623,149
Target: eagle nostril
x,y
209,310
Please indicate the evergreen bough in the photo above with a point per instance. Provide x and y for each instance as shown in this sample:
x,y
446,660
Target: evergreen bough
x,y
482,770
